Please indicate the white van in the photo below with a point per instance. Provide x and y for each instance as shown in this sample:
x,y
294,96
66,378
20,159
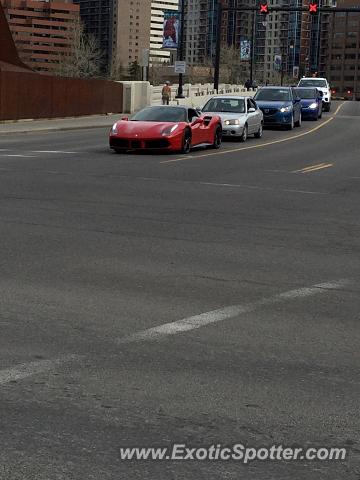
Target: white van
x,y
321,84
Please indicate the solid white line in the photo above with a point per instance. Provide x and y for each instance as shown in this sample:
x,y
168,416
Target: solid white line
x,y
26,370
214,316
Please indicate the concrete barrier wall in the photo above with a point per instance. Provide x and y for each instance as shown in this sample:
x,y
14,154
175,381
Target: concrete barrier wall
x,y
136,95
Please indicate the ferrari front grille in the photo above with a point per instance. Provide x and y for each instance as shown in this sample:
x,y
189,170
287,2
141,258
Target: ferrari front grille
x,y
158,143
119,142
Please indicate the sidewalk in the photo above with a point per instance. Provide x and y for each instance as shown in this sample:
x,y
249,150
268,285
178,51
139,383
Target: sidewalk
x,y
53,124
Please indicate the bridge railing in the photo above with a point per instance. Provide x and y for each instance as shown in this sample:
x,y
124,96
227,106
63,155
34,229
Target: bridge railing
x,y
194,93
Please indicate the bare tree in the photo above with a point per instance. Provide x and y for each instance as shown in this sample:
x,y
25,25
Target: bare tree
x,y
84,57
118,71
230,65
155,72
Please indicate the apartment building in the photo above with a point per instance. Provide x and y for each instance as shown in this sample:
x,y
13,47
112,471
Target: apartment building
x,y
157,53
267,47
286,37
132,19
41,30
122,28
97,16
340,50
200,31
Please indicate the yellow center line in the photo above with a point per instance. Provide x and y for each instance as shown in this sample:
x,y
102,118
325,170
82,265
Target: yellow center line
x,y
250,147
310,167
315,168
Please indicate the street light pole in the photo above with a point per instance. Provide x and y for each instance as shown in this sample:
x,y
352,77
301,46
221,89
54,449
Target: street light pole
x,y
180,93
252,46
218,47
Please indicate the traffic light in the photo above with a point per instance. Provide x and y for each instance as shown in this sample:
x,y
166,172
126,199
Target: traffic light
x,y
313,8
264,7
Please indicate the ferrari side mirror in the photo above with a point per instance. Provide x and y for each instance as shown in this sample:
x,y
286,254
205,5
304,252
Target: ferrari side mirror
x,y
197,121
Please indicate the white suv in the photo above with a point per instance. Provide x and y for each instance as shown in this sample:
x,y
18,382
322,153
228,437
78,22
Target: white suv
x,y
322,85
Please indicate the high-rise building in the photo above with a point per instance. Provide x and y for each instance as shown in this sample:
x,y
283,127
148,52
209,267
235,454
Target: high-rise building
x,y
269,41
132,33
157,54
340,50
200,31
41,30
97,16
122,28
283,43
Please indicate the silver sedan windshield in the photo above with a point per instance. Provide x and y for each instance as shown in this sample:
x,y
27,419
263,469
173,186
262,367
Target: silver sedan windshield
x,y
230,105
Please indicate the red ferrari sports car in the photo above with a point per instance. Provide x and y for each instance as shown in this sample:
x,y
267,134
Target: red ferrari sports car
x,y
166,128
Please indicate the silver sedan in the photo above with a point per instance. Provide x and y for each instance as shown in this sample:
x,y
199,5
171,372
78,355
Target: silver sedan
x,y
240,116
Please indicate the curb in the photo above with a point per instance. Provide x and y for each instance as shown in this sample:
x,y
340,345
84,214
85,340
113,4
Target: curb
x,y
54,129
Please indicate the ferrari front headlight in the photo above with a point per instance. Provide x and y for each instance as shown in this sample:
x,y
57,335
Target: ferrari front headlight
x,y
114,128
169,130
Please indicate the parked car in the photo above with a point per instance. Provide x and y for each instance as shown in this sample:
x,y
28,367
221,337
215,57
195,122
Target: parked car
x,y
280,105
167,128
240,116
321,84
311,102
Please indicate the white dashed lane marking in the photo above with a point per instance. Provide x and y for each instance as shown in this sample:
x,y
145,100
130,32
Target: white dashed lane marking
x,y
215,316
52,151
16,155
25,370
32,153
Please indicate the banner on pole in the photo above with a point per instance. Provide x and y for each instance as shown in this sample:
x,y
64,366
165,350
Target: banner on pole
x,y
245,49
277,62
171,29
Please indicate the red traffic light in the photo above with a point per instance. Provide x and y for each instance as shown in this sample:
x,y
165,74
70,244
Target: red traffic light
x,y
313,8
264,8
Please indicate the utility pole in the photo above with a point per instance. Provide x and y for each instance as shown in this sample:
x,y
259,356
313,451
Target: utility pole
x,y
180,93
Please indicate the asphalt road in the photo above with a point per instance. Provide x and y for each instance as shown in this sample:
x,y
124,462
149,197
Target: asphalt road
x,y
148,300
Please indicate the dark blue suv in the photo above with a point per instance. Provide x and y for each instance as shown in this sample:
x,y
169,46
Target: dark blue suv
x,y
280,106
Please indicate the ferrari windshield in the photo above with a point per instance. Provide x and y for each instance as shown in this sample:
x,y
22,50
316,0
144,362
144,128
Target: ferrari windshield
x,y
307,93
160,114
233,105
312,82
273,95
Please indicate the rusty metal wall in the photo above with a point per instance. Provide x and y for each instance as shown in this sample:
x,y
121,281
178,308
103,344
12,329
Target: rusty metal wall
x,y
31,95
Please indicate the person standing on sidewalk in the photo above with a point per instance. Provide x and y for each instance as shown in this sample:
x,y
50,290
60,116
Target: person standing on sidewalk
x,y
166,94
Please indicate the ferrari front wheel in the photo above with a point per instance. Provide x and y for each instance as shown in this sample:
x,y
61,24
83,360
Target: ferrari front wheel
x,y
217,138
186,145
